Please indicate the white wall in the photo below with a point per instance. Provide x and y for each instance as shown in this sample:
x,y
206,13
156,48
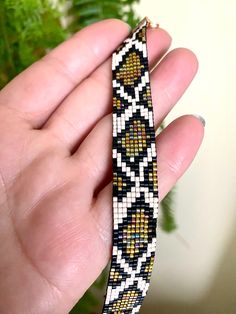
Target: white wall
x,y
206,200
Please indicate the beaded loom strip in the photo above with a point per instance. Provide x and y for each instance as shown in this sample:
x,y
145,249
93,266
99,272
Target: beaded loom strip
x,y
135,187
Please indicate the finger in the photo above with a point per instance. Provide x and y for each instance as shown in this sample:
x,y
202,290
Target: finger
x,y
170,79
36,92
180,66
95,152
91,100
177,146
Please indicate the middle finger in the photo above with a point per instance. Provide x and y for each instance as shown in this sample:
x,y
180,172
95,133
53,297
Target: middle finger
x,y
91,100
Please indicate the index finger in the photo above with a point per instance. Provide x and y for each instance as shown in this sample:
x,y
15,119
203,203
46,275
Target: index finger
x,y
36,92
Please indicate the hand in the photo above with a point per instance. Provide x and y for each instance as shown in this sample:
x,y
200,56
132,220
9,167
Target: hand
x,y
55,164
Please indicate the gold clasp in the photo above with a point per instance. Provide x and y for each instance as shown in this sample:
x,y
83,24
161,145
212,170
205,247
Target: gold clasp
x,y
151,24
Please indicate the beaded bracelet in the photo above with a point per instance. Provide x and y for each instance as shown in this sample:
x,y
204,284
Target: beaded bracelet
x,y
135,186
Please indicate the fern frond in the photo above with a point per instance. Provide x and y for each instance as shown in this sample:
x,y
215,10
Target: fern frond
x,y
167,221
86,12
27,29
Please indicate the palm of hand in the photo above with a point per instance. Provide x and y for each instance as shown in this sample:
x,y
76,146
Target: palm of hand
x,y
55,191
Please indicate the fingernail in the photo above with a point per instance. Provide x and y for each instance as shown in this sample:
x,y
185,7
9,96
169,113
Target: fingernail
x,y
203,121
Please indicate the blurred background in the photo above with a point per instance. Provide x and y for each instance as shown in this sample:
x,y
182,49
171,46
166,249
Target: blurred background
x,y
195,270
195,265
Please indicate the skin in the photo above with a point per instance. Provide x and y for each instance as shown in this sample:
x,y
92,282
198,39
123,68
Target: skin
x,y
55,163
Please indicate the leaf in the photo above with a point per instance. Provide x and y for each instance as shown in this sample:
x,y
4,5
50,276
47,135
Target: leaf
x,y
168,221
86,304
28,28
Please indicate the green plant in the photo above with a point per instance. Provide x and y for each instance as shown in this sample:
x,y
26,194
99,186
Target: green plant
x,y
86,12
28,29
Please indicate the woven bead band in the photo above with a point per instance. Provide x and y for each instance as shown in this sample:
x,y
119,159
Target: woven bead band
x,y
135,187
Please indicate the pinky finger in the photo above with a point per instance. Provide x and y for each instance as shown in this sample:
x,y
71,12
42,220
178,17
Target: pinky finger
x,y
177,146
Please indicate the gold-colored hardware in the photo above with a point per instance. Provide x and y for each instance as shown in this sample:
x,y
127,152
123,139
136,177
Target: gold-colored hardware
x,y
151,24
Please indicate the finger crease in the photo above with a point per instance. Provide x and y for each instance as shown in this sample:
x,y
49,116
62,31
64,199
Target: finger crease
x,y
59,66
